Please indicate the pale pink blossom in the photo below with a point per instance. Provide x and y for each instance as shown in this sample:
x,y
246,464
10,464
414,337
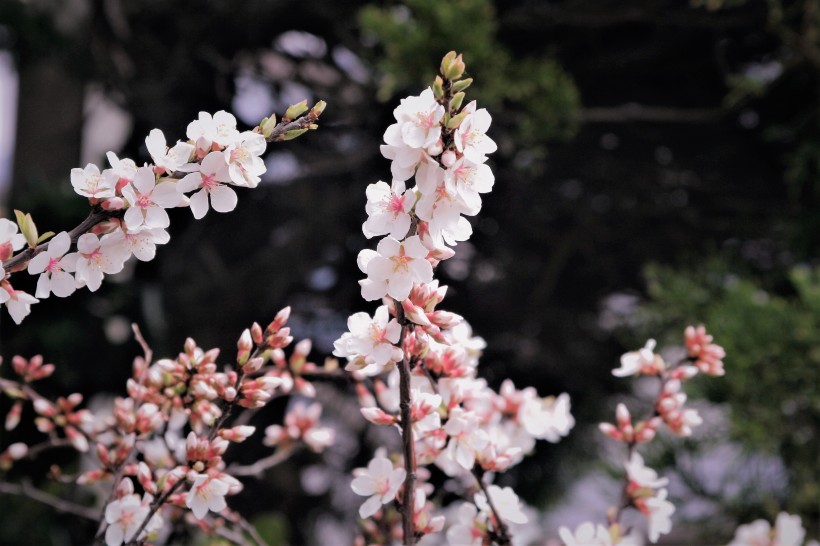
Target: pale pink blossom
x,y
206,494
18,303
468,529
89,182
708,356
393,268
54,268
586,534
209,179
659,515
245,164
169,160
219,129
10,240
142,244
547,418
466,180
788,531
124,517
441,209
379,481
148,200
96,259
642,361
471,135
506,503
371,342
641,475
388,210
467,438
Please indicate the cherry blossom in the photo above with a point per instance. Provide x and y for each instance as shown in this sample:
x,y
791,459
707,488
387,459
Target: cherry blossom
x,y
506,503
219,129
54,268
642,476
788,531
168,160
124,517
388,210
206,494
586,534
142,244
547,419
245,164
468,530
370,343
466,437
18,303
379,481
96,259
419,120
642,361
471,135
393,268
210,177
10,240
708,356
89,182
148,201
659,511
467,180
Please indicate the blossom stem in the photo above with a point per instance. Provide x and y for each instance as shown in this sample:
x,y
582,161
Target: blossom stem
x,y
502,533
257,468
97,215
25,489
156,505
408,496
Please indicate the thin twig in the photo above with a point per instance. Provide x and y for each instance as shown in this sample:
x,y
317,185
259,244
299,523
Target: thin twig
x,y
501,530
25,489
156,505
408,496
259,467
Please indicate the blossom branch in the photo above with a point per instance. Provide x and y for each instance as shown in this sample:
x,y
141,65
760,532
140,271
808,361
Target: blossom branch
x,y
408,496
260,466
25,489
502,532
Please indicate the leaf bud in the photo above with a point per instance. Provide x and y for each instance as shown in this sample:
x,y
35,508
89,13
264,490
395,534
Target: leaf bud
x,y
455,102
461,85
295,110
267,125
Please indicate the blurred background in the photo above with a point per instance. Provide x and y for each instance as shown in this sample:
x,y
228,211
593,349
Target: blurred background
x,y
658,166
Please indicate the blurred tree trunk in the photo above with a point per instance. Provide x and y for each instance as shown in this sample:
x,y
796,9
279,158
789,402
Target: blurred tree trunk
x,y
49,126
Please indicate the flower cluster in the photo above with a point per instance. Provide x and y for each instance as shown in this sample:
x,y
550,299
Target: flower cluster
x,y
788,531
643,489
415,364
129,204
169,436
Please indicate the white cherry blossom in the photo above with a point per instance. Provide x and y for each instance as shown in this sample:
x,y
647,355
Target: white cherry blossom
x,y
467,179
370,342
148,201
547,418
89,182
419,120
388,210
54,268
124,517
96,259
471,135
18,303
393,268
379,481
142,244
245,164
466,531
586,534
210,177
219,129
10,240
641,361
206,494
506,502
164,158
659,516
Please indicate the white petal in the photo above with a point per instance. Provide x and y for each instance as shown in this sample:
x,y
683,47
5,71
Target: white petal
x,y
199,204
223,199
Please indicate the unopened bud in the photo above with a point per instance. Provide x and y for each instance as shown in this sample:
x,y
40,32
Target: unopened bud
x,y
294,111
318,108
256,333
438,88
268,125
461,85
455,102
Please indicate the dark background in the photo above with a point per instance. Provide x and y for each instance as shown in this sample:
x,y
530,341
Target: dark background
x,y
657,167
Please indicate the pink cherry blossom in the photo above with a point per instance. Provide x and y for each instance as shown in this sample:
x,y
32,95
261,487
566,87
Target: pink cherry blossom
x,y
471,135
212,173
89,182
10,240
506,502
219,129
393,268
379,481
96,259
370,343
124,517
468,530
142,244
18,303
166,159
642,476
54,268
245,164
206,494
466,180
388,210
148,200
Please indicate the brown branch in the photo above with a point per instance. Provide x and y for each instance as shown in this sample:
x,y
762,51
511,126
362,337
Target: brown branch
x,y
502,532
25,489
408,496
97,215
259,467
156,505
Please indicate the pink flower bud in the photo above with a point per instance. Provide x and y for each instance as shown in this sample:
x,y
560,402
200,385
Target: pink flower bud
x,y
125,487
377,416
448,158
17,450
13,416
256,333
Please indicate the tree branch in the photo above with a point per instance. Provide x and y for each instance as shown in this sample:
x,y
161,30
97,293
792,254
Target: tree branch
x,y
25,489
